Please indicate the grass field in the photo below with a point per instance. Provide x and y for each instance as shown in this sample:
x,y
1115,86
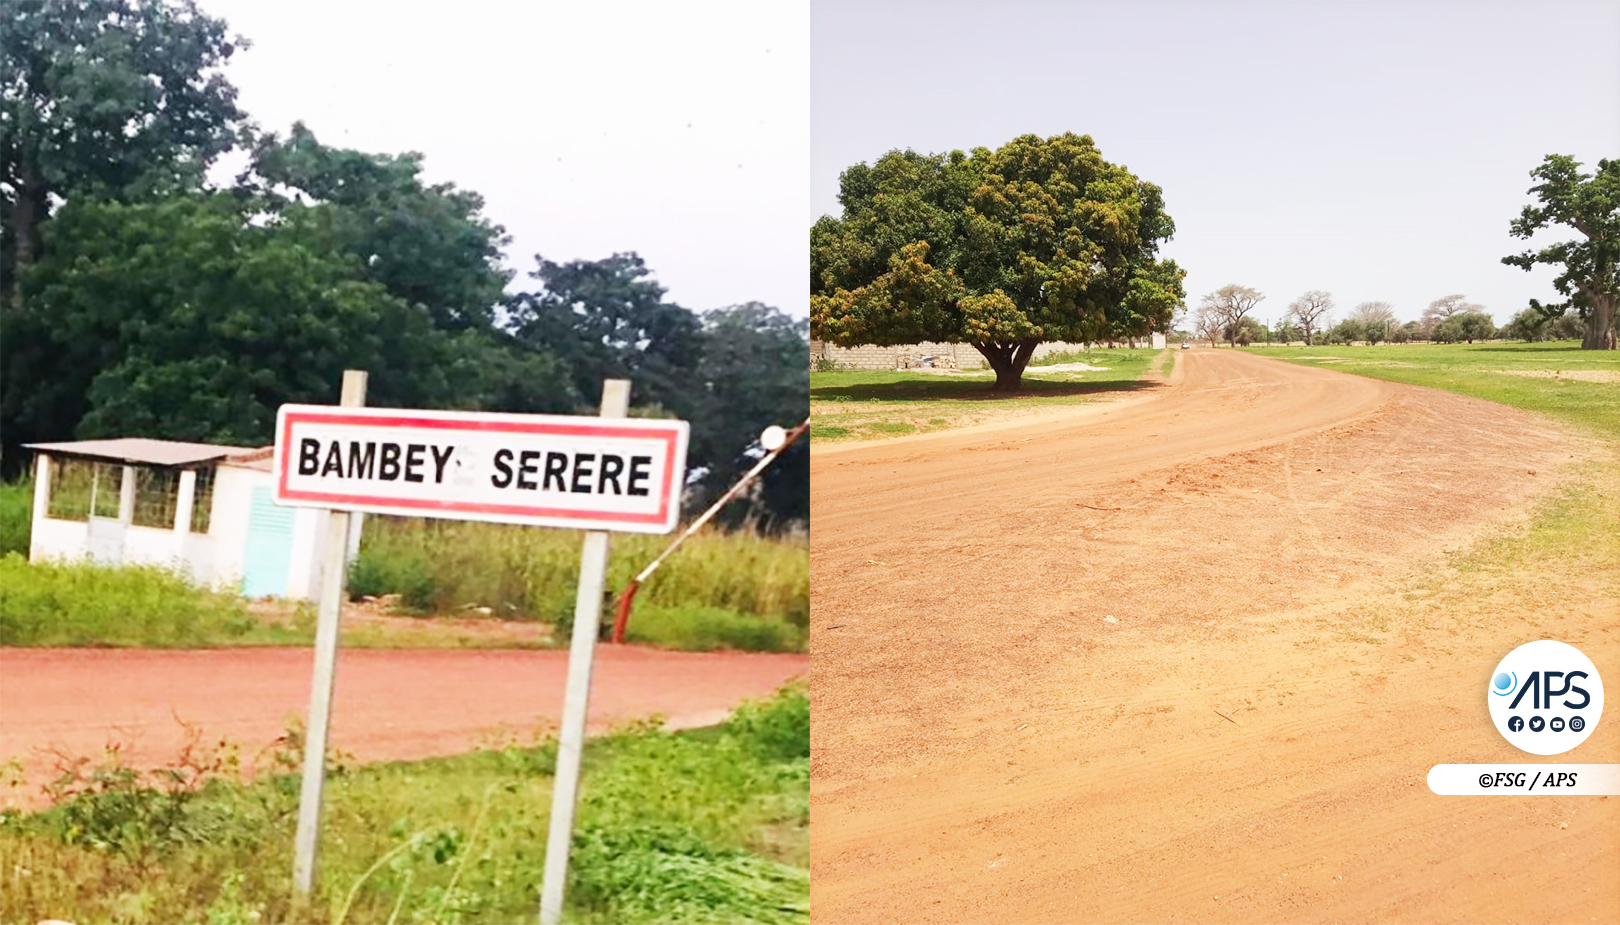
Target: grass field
x,y
874,405
703,826
1580,387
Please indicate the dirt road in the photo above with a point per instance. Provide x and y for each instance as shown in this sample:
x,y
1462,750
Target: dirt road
x,y
1189,658
388,703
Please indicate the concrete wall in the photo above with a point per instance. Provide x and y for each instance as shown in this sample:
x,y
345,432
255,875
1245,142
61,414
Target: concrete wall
x,y
964,356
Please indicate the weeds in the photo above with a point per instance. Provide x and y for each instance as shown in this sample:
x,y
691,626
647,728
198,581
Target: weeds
x,y
81,603
708,825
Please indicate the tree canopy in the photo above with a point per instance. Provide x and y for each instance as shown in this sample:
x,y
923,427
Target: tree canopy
x,y
114,98
1038,240
1225,310
1590,277
1311,311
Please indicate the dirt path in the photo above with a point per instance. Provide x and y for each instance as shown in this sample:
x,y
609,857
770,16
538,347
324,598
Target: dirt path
x,y
989,747
388,703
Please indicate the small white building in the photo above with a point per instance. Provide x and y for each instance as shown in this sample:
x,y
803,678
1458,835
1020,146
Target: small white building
x,y
203,509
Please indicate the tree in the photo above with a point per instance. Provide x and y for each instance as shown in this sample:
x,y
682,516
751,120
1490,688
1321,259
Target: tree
x,y
113,98
1377,320
607,319
1311,311
1528,325
1227,307
429,245
1246,332
752,375
1468,326
194,317
1442,309
1207,324
1347,331
1407,333
1038,240
1589,203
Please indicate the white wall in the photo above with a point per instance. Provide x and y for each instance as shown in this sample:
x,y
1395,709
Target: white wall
x,y
228,522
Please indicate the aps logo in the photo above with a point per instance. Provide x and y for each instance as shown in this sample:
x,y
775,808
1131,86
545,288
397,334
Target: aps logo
x,y
1546,697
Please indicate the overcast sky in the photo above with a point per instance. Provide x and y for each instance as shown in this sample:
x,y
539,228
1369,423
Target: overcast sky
x,y
678,131
1376,151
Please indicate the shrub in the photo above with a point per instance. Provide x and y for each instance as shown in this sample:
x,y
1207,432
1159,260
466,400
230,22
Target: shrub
x,y
16,516
82,603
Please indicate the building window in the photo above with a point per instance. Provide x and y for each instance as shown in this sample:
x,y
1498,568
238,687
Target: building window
x,y
157,493
203,500
81,488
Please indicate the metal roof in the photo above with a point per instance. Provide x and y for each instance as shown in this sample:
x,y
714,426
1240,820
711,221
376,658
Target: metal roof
x,y
141,451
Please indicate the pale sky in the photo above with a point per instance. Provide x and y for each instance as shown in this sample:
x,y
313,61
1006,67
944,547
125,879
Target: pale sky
x,y
678,131
1374,150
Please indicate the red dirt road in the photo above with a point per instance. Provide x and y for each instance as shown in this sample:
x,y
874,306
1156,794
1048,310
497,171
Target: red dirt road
x,y
1189,658
388,704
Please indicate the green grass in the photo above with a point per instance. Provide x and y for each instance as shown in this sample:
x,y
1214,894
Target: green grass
x,y
704,629
447,566
79,603
1478,370
876,404
16,516
704,826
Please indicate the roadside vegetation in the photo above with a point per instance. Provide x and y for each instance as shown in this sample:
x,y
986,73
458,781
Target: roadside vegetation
x,y
723,590
1579,387
704,826
866,405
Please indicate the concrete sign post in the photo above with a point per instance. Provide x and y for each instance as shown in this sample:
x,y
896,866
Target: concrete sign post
x,y
581,651
307,840
597,474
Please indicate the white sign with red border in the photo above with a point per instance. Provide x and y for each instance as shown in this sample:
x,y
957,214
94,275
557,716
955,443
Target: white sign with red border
x,y
620,474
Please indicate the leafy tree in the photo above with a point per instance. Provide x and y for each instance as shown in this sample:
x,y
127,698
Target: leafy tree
x,y
429,245
1465,326
1227,307
752,375
1589,203
1441,310
193,318
1311,312
1377,320
1040,239
1245,332
1407,333
607,319
1528,325
111,98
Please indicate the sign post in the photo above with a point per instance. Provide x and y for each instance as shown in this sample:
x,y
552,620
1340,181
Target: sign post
x,y
581,651
608,473
307,840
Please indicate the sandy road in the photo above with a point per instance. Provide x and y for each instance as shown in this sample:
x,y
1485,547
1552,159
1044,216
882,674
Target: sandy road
x,y
388,704
1248,739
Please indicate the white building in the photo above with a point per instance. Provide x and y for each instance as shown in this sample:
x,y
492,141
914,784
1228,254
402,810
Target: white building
x,y
197,507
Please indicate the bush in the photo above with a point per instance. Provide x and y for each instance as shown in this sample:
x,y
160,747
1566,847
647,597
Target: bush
x,y
705,629
81,603
444,566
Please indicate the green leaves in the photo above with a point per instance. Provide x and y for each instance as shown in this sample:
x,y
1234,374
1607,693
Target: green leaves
x,y
1589,203
1039,240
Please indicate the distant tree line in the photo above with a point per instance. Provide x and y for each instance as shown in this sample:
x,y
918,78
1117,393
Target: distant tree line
x,y
138,298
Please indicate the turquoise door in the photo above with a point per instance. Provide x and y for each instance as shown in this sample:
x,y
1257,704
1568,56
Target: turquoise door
x,y
268,556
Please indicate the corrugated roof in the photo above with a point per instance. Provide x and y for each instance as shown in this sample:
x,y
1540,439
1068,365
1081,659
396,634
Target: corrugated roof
x,y
259,459
140,450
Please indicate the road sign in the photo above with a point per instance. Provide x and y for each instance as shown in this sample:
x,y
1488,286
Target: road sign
x,y
544,470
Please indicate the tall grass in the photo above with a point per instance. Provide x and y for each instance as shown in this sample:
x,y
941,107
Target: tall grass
x,y
706,826
80,603
16,516
442,566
